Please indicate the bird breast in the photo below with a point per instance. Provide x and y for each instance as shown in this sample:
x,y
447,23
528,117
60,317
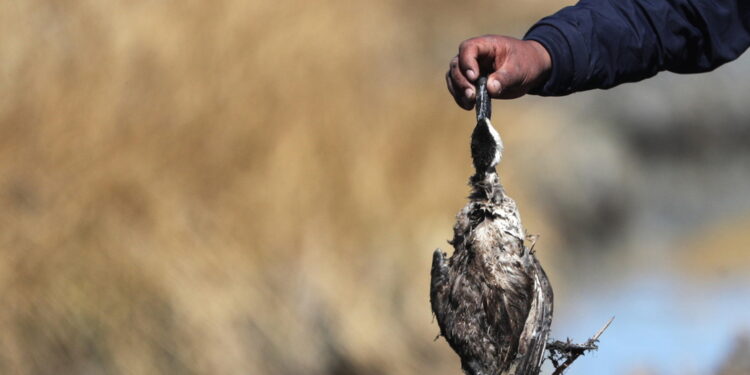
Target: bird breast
x,y
497,224
500,253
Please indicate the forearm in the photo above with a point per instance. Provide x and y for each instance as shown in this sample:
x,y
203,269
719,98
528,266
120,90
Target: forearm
x,y
603,43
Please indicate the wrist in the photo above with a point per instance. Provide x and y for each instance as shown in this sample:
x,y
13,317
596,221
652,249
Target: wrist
x,y
543,62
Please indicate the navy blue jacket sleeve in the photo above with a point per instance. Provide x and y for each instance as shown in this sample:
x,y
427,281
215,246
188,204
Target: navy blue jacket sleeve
x,y
603,43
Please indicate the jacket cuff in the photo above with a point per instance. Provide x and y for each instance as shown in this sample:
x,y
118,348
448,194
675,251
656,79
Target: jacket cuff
x,y
568,53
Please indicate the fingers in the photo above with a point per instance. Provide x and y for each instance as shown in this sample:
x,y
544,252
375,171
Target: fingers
x,y
474,56
515,66
469,53
458,98
467,59
463,91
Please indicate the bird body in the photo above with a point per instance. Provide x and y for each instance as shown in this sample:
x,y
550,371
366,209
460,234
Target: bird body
x,y
492,299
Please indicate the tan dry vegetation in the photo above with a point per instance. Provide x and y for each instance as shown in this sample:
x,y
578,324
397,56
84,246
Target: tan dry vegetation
x,y
230,187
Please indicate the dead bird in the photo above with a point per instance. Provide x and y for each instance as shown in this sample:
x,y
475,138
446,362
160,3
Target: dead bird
x,y
492,299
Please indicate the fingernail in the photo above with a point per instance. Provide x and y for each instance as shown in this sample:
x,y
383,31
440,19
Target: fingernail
x,y
471,74
469,93
495,85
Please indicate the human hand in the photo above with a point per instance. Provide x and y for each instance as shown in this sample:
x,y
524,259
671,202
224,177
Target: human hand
x,y
513,66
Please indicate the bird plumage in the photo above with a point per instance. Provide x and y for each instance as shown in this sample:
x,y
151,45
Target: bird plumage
x,y
492,299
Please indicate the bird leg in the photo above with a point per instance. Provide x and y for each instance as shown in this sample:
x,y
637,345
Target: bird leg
x,y
567,351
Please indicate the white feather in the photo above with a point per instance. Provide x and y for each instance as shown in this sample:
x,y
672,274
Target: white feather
x,y
498,142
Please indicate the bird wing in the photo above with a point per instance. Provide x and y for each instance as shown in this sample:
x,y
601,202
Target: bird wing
x,y
438,284
536,329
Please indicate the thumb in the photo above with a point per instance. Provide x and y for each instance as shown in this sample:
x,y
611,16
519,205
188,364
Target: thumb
x,y
505,85
496,83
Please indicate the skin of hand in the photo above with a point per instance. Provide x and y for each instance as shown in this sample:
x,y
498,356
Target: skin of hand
x,y
513,66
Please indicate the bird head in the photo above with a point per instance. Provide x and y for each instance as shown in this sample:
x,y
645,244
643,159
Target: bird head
x,y
486,146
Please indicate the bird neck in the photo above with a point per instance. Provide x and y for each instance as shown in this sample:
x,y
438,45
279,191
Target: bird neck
x,y
486,186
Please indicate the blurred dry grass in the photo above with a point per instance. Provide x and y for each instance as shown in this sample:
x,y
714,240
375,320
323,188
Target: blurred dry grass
x,y
231,187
